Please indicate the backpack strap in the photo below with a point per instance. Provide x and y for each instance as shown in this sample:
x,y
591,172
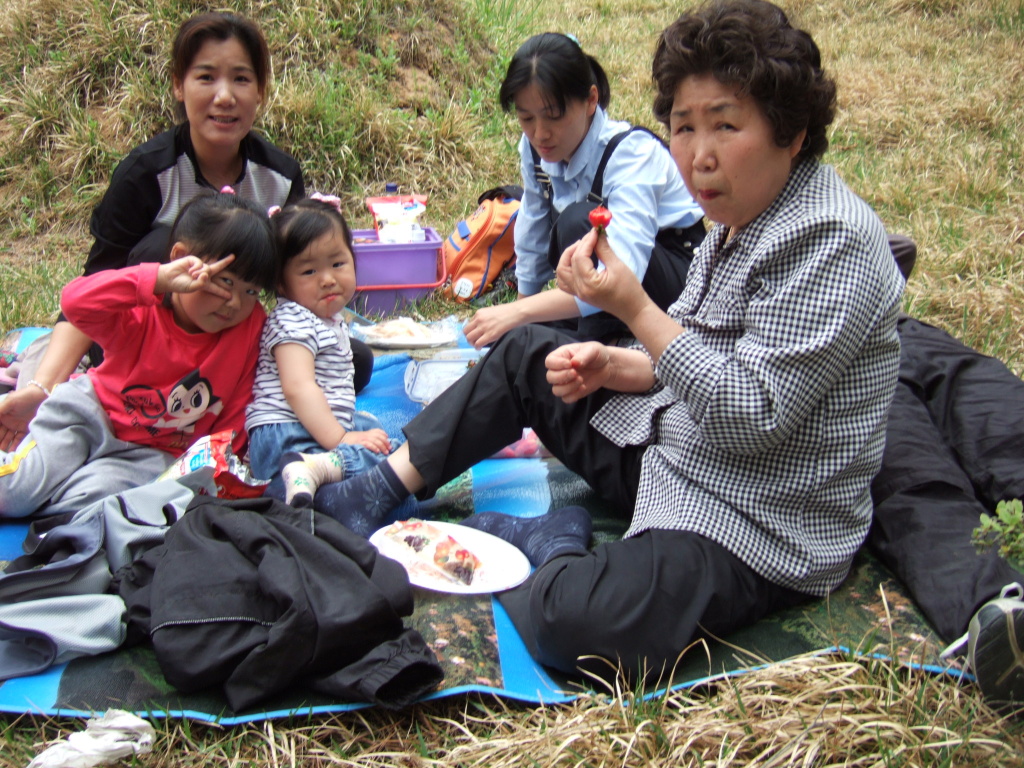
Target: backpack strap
x,y
595,196
542,177
544,180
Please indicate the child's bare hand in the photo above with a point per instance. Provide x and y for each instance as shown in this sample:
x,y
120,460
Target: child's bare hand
x,y
16,411
375,439
189,274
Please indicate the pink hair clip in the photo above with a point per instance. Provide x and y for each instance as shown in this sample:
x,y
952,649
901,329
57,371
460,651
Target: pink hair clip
x,y
273,210
227,189
329,199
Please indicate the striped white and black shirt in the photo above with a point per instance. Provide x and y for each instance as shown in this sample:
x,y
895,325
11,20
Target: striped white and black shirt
x,y
768,421
291,323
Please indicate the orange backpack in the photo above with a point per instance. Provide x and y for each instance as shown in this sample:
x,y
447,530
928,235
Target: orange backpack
x,y
482,245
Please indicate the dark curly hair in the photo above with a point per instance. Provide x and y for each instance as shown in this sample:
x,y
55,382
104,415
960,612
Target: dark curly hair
x,y
751,44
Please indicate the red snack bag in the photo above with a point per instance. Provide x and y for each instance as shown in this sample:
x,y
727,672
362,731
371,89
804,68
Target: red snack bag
x,y
210,467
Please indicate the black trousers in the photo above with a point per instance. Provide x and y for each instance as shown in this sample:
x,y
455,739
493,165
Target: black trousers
x,y
640,601
954,449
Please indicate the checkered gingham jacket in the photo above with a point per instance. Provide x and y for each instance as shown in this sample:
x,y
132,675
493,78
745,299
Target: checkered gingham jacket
x,y
768,420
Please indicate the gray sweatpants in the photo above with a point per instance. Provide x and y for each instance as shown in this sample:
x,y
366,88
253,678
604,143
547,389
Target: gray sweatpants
x,y
70,458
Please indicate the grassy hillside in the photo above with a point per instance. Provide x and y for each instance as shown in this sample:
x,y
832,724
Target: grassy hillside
x,y
931,95
362,93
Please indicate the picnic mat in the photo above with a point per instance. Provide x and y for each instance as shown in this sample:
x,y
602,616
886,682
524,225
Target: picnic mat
x,y
472,637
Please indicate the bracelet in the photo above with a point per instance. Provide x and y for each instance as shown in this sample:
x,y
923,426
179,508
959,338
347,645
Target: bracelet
x,y
34,383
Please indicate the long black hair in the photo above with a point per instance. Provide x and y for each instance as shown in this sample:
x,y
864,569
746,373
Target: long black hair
x,y
559,67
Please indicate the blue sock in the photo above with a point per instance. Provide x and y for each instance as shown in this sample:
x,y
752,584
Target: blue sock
x,y
365,502
565,531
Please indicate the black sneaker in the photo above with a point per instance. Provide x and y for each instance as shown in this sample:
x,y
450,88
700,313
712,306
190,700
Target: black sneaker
x,y
995,647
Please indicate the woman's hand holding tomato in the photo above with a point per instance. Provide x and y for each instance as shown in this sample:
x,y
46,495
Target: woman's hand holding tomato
x,y
615,289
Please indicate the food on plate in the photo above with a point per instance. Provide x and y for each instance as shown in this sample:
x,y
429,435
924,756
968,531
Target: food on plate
x,y
401,329
435,549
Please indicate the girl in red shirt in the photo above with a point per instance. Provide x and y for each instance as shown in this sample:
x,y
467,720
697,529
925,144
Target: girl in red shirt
x,y
181,343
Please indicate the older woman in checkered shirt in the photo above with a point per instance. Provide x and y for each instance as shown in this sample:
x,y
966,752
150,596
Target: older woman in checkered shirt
x,y
741,431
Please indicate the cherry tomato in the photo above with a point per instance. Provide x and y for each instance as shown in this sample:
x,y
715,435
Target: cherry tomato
x,y
600,218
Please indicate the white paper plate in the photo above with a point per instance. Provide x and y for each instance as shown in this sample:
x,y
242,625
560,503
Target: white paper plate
x,y
502,566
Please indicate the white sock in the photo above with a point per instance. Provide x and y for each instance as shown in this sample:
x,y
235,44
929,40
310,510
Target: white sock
x,y
303,473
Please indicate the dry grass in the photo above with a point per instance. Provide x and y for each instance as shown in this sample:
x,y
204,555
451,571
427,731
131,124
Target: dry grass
x,y
810,711
933,105
931,97
931,115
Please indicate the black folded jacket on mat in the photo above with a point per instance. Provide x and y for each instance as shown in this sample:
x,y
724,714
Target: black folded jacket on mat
x,y
255,596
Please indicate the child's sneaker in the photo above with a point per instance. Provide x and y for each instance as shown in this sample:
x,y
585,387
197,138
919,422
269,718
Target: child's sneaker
x,y
995,647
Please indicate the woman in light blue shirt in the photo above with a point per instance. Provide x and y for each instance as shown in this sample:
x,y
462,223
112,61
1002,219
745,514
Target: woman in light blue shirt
x,y
560,95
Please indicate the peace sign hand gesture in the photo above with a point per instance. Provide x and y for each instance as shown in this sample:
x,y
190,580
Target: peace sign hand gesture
x,y
189,274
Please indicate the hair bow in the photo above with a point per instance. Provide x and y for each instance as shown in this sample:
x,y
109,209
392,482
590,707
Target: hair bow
x,y
227,189
329,199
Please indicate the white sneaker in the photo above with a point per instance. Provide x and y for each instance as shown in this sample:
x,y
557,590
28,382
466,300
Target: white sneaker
x,y
995,647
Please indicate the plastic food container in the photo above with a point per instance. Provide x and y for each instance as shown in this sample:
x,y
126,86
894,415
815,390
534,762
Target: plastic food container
x,y
426,379
390,276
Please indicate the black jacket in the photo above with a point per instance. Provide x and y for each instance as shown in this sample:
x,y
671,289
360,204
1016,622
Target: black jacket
x,y
155,180
256,595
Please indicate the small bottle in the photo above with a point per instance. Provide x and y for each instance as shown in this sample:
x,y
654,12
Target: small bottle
x,y
390,188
